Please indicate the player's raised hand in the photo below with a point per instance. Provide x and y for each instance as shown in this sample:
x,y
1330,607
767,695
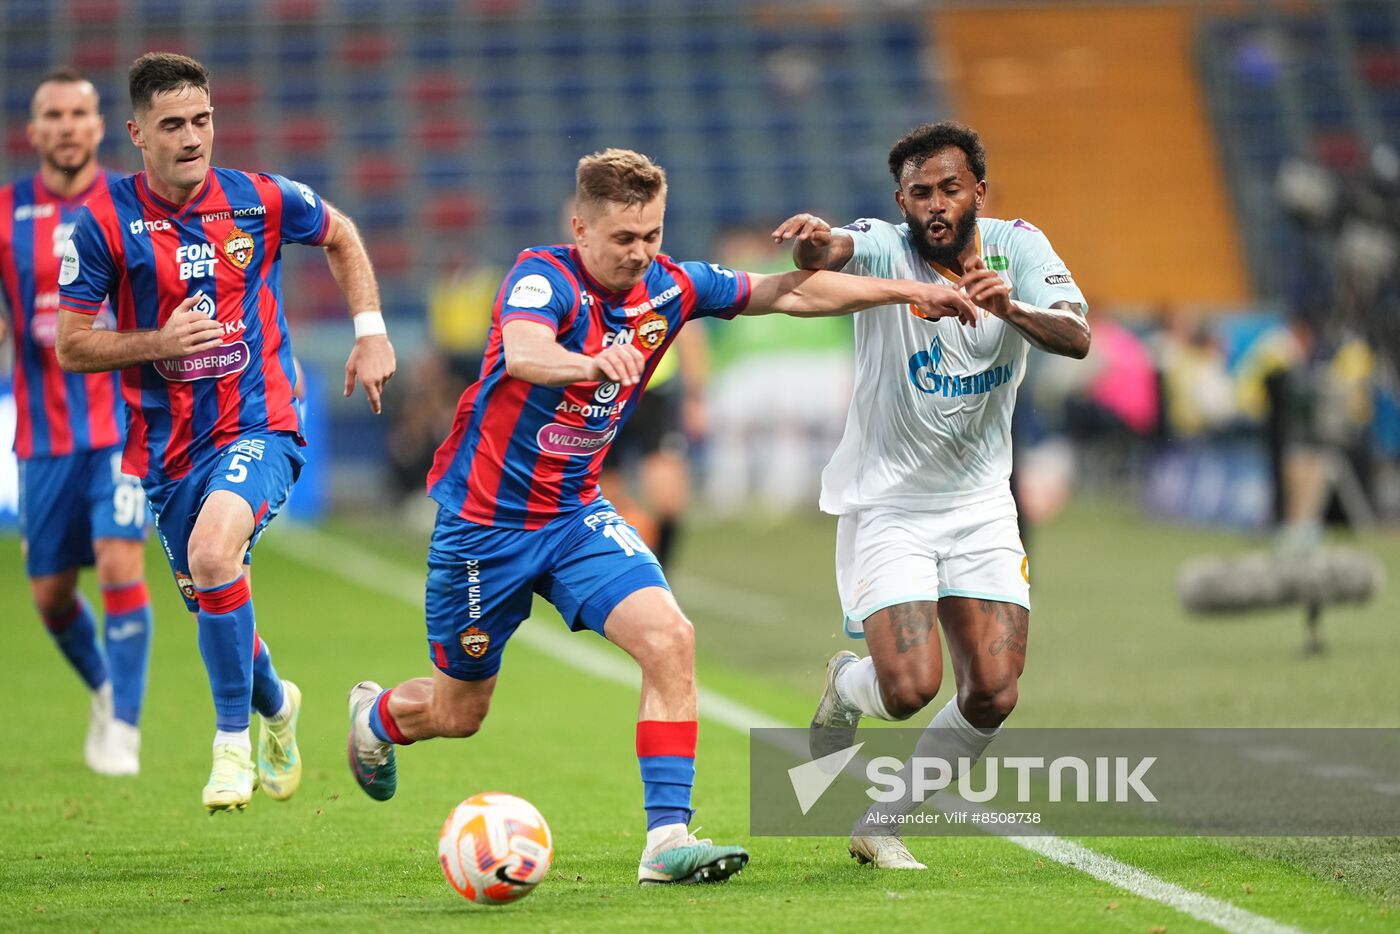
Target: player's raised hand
x,y
942,301
986,289
806,227
620,363
187,331
371,362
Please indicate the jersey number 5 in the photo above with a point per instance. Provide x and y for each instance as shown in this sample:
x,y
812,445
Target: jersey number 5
x,y
238,468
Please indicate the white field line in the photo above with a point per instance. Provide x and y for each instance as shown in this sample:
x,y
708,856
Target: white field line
x,y
350,562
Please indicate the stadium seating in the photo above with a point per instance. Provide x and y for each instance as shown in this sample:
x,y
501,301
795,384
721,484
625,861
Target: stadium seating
x,y
464,117
1323,84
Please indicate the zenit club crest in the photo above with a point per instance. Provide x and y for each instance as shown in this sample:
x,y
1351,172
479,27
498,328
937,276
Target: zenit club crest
x,y
475,642
651,330
238,247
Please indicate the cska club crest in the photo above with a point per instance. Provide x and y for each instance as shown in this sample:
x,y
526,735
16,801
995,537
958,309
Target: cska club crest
x,y
238,247
475,642
651,330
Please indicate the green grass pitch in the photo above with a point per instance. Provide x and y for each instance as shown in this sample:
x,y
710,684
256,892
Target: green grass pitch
x,y
1108,648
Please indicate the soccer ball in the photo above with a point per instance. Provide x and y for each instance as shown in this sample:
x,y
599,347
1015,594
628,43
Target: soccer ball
x,y
495,848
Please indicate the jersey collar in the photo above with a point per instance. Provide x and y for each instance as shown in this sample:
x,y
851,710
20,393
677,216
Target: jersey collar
x,y
143,189
948,273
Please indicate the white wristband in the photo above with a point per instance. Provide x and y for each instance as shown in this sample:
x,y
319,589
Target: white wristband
x,y
368,323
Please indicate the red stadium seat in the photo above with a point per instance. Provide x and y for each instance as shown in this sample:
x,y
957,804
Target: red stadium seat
x,y
453,212
434,91
393,256
1380,67
17,144
235,92
305,134
94,12
1339,149
295,10
497,6
94,55
376,174
236,143
443,133
367,48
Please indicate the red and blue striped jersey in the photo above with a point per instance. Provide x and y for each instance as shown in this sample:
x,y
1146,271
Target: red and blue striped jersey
x,y
146,256
57,413
520,454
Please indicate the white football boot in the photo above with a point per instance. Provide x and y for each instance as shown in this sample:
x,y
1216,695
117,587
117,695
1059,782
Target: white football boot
x,y
99,719
230,780
121,749
883,851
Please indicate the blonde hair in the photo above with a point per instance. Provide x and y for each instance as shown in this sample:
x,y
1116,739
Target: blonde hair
x,y
617,176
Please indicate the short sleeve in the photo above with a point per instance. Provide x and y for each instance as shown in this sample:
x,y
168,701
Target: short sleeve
x,y
86,273
874,243
1039,277
536,290
720,292
305,217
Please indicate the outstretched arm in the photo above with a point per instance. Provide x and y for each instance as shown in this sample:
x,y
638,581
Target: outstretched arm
x,y
372,360
81,349
815,244
535,356
1059,329
806,294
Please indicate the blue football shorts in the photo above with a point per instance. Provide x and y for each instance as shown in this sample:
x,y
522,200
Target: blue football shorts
x,y
261,468
67,502
482,579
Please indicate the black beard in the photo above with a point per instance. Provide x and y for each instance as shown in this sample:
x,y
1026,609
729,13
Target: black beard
x,y
946,256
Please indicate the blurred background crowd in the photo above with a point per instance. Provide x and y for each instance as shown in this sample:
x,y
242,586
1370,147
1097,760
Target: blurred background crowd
x,y
1221,177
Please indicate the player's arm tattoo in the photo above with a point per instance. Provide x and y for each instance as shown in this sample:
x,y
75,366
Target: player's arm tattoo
x,y
911,624
1060,329
1013,623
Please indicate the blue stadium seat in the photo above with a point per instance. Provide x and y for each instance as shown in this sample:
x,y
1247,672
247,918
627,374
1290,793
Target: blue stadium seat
x,y
299,90
366,91
446,172
313,172
26,12
166,12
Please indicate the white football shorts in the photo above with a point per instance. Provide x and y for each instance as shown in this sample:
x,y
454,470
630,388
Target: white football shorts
x,y
889,555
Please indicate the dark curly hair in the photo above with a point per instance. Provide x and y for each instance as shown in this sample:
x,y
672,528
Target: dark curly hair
x,y
918,144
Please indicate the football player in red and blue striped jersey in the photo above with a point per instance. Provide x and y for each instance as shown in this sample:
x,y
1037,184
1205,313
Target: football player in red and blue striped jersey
x,y
190,257
76,506
576,333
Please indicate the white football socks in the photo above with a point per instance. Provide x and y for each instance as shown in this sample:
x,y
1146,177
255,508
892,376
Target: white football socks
x,y
240,739
857,687
948,737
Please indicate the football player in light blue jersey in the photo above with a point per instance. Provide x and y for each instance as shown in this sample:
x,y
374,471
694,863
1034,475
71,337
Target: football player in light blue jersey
x,y
927,530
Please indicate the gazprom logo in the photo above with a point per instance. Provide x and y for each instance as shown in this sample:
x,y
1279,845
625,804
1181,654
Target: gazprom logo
x,y
928,360
924,374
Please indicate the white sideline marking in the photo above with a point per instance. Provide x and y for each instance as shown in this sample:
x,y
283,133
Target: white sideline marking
x,y
1213,911
348,561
